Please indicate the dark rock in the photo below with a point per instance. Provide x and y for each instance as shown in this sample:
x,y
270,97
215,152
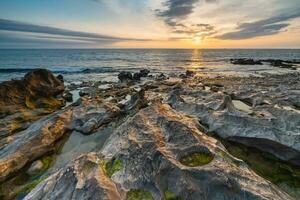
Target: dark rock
x,y
144,72
161,77
189,73
245,61
60,77
137,76
125,76
182,76
68,97
140,74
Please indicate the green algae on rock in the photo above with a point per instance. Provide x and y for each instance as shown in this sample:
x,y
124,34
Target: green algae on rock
x,y
170,196
138,194
111,167
281,173
196,159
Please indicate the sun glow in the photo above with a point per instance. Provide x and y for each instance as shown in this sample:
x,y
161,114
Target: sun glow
x,y
197,40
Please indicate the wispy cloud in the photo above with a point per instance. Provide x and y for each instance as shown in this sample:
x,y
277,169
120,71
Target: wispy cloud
x,y
176,11
269,26
10,25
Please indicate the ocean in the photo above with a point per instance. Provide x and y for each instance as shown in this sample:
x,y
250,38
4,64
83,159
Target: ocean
x,y
105,64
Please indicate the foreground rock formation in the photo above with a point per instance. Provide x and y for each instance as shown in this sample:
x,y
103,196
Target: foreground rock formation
x,y
160,143
150,149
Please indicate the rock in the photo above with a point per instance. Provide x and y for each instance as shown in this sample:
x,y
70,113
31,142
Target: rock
x,y
136,76
189,73
32,143
157,153
245,61
26,100
281,64
84,179
266,127
144,72
125,76
161,77
68,96
35,167
60,77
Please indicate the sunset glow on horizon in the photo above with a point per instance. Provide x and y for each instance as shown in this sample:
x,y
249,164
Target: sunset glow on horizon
x,y
149,24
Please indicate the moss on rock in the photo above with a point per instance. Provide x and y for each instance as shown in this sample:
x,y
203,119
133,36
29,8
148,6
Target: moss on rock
x,y
196,159
111,167
170,196
138,194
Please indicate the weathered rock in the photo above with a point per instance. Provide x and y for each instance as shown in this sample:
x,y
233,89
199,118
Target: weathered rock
x,y
24,101
125,76
155,153
35,167
89,116
269,128
84,179
33,142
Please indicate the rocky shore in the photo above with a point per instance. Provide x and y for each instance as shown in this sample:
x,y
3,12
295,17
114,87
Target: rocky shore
x,y
183,137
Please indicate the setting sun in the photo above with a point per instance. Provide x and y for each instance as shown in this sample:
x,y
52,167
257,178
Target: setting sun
x,y
197,40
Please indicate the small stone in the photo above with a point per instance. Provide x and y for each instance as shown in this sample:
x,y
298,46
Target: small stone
x,y
189,73
68,97
35,167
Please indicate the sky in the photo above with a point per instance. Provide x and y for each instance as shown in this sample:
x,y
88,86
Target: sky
x,y
149,24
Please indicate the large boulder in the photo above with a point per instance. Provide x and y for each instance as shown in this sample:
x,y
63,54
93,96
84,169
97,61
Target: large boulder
x,y
26,100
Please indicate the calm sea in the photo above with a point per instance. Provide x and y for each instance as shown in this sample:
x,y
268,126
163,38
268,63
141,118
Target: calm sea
x,y
95,64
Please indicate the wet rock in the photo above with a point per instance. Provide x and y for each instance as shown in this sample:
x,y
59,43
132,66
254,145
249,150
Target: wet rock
x,y
125,76
60,77
142,73
245,61
189,73
161,77
68,96
281,64
147,155
35,167
136,76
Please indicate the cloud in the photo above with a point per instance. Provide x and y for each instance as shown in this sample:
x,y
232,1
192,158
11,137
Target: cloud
x,y
10,25
177,10
269,26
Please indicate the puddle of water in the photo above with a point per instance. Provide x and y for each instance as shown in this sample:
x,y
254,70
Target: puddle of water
x,y
242,106
76,96
283,174
79,144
